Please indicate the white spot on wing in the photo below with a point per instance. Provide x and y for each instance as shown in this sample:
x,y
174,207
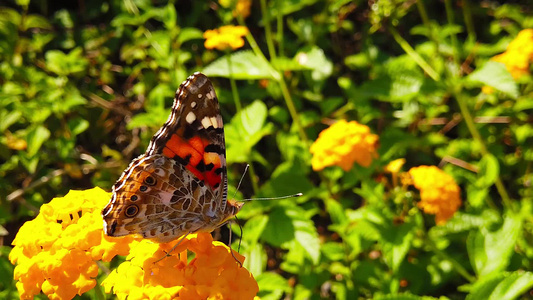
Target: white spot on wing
x,y
190,117
206,122
214,122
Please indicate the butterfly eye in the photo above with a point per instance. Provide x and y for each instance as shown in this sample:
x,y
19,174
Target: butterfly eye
x,y
150,180
131,211
134,198
143,188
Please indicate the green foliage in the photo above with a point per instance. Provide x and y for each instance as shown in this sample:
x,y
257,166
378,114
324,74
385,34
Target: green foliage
x,y
82,90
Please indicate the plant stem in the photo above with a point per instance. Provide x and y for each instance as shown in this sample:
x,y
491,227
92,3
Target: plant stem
x,y
234,90
413,54
467,15
292,110
451,22
279,28
268,30
425,19
477,137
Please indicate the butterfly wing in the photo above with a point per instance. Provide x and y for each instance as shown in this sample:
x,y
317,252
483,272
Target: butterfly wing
x,y
179,185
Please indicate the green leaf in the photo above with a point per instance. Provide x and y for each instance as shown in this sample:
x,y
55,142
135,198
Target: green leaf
x,y
494,74
279,228
244,65
35,139
287,179
290,224
288,6
333,251
489,170
189,33
66,64
245,130
502,286
169,16
399,80
254,228
315,60
272,286
490,251
78,125
405,296
8,118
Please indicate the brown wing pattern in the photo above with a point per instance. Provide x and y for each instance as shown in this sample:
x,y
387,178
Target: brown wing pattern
x,y
179,185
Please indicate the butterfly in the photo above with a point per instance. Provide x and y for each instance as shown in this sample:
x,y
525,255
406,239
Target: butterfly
x,y
179,185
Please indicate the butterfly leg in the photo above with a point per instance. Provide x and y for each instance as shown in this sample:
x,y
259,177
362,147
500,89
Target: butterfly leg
x,y
173,248
231,249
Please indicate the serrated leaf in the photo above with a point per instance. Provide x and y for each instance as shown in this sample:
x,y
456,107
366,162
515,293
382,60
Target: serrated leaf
x,y
244,65
272,285
502,286
494,74
490,251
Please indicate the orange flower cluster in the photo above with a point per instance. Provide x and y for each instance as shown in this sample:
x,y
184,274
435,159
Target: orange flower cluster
x,y
225,37
342,144
56,252
519,54
240,7
439,194
212,274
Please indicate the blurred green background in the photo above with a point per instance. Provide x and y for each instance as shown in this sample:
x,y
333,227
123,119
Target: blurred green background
x,y
85,84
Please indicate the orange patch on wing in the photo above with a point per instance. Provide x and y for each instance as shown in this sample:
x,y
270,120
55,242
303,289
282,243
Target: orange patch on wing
x,y
212,177
194,148
183,148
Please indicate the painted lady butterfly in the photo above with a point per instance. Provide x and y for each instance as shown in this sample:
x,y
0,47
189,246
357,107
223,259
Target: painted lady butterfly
x,y
179,186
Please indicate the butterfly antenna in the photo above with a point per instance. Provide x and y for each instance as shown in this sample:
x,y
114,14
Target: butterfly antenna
x,y
272,198
240,181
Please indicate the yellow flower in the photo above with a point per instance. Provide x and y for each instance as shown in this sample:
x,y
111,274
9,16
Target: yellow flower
x,y
439,194
240,7
519,54
213,273
342,144
395,166
225,37
56,251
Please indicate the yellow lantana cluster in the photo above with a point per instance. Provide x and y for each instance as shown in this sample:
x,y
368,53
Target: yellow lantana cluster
x,y
519,54
56,252
240,7
439,193
213,273
225,37
342,144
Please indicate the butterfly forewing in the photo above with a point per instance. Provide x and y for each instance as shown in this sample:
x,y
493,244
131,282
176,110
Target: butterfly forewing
x,y
179,185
